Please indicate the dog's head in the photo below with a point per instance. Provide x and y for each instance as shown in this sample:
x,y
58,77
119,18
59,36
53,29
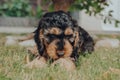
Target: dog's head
x,y
56,35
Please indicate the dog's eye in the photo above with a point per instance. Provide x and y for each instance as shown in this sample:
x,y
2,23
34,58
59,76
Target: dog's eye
x,y
70,38
52,36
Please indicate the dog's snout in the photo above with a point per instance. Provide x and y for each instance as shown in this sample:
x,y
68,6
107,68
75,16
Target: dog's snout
x,y
60,45
61,53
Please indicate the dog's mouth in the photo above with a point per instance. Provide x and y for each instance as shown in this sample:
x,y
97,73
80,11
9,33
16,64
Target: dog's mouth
x,y
60,53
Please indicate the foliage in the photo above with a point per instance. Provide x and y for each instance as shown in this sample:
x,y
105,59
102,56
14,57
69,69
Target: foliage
x,y
15,8
19,8
95,7
90,6
39,12
22,8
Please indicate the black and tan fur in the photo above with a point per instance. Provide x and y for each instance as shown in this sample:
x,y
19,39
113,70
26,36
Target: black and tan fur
x,y
58,35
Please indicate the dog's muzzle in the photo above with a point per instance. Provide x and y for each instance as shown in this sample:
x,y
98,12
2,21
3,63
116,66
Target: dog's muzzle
x,y
60,53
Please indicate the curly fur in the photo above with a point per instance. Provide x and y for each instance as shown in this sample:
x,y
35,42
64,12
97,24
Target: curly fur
x,y
82,43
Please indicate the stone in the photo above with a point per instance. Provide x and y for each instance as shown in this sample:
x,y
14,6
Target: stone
x,y
107,43
15,40
94,37
27,43
10,40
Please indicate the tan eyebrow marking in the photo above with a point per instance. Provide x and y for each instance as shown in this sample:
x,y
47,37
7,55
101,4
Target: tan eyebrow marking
x,y
55,31
68,31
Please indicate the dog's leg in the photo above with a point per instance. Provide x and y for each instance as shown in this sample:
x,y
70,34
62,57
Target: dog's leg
x,y
65,63
32,54
38,62
33,50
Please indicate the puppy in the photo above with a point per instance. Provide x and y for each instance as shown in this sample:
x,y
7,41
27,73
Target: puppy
x,y
59,36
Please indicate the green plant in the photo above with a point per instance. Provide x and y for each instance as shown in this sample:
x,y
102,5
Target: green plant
x,y
95,7
39,12
92,7
15,8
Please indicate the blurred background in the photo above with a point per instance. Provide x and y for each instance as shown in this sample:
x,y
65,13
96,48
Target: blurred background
x,y
97,16
19,16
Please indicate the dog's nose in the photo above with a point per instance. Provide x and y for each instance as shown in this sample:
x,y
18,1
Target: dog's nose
x,y
61,53
60,45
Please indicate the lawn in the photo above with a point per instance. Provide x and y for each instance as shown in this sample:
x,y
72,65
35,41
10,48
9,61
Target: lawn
x,y
103,64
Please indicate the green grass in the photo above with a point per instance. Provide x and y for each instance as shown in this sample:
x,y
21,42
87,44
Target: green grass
x,y
91,67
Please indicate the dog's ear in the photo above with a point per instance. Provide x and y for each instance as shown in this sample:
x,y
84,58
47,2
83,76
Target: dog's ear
x,y
76,44
39,40
87,45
